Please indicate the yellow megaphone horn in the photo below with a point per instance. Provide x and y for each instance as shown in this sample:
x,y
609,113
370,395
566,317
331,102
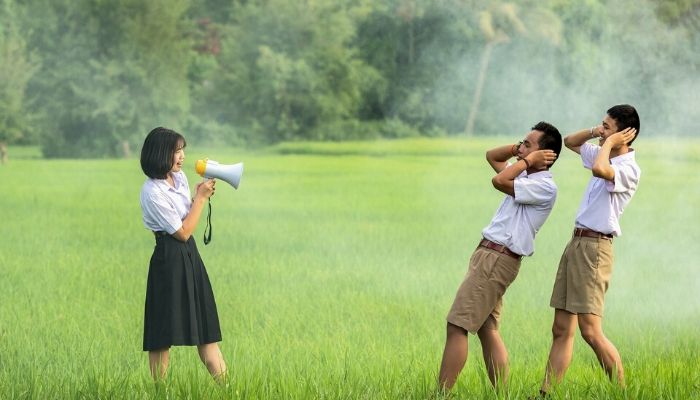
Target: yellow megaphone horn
x,y
229,173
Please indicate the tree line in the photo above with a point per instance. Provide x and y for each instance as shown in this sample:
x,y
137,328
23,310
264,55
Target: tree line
x,y
89,78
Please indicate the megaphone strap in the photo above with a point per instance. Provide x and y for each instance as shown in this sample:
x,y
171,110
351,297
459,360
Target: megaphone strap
x,y
207,238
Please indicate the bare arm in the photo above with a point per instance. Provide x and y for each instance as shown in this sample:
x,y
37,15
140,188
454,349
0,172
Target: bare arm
x,y
601,166
499,156
504,181
575,140
204,191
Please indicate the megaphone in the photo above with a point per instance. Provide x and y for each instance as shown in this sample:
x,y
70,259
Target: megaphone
x,y
211,169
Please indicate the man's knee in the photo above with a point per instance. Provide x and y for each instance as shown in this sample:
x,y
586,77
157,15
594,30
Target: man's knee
x,y
489,328
562,330
591,334
453,329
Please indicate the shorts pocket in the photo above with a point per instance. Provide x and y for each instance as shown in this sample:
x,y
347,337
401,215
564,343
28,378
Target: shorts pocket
x,y
586,265
504,273
482,264
589,253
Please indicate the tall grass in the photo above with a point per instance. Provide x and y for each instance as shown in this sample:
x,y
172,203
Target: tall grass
x,y
333,268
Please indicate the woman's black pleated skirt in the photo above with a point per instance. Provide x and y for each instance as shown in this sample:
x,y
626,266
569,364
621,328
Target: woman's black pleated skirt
x,y
180,306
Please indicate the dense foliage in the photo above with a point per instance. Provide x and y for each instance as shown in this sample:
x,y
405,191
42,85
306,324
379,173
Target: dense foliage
x,y
88,78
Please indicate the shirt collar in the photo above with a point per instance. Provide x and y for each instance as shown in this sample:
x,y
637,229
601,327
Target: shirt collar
x,y
622,158
540,174
177,180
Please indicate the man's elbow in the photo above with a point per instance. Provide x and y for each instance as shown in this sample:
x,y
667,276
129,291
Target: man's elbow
x,y
569,143
498,182
503,185
602,172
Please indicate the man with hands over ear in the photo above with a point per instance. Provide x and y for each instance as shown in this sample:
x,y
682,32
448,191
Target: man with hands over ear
x,y
586,265
530,193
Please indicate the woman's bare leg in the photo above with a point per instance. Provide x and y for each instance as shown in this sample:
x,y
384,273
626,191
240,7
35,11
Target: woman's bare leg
x,y
158,362
211,356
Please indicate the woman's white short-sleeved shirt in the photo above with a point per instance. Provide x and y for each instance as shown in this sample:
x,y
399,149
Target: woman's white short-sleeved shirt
x,y
164,207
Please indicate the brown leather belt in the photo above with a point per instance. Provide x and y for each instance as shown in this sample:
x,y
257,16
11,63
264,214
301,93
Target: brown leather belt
x,y
499,248
582,232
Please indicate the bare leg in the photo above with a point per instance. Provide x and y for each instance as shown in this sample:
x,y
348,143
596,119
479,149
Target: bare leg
x,y
454,356
158,362
211,356
494,351
563,330
592,331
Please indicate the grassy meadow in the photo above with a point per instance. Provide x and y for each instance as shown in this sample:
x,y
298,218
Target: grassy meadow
x,y
334,266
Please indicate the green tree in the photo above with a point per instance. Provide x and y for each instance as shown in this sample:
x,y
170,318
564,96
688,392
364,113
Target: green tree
x,y
17,66
112,70
418,46
237,72
287,70
679,12
499,24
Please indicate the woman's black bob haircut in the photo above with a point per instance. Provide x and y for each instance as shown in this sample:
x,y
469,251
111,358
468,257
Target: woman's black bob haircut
x,y
158,151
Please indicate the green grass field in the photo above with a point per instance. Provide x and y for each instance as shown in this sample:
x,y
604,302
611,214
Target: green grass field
x,y
333,267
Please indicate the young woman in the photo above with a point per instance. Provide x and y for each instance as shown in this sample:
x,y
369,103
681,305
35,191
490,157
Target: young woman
x,y
180,307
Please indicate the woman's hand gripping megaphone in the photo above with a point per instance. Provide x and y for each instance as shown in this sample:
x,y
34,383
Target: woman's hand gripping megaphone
x,y
211,170
206,188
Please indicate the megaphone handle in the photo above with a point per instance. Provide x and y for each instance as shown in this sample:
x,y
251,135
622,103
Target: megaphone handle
x,y
207,238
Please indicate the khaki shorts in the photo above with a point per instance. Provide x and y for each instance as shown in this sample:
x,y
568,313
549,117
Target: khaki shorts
x,y
480,294
583,276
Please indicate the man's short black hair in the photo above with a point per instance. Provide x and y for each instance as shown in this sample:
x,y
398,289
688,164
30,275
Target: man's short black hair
x,y
158,151
550,139
625,116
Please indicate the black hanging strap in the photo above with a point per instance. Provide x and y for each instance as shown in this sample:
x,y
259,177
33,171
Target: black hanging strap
x,y
207,238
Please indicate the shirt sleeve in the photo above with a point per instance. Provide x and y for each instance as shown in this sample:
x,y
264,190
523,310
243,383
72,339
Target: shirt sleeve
x,y
162,212
533,191
626,179
589,152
